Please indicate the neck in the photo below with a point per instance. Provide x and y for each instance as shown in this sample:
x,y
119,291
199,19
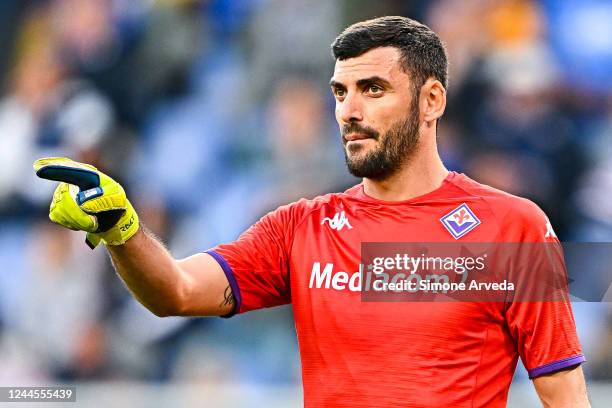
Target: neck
x,y
423,173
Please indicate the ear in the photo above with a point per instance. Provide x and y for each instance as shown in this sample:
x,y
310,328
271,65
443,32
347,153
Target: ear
x,y
432,101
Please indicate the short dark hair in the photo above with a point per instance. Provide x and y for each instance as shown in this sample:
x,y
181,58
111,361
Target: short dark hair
x,y
423,54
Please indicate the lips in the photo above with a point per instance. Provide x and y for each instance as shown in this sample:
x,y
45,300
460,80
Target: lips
x,y
356,136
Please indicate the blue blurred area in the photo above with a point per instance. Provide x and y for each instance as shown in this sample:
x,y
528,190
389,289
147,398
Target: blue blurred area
x,y
212,113
581,36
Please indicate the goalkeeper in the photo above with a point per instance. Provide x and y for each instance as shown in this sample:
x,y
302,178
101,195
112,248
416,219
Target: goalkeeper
x,y
389,84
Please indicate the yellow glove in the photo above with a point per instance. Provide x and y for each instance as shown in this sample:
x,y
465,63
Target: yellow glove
x,y
88,200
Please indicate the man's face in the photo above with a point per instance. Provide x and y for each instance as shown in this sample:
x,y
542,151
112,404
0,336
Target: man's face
x,y
377,112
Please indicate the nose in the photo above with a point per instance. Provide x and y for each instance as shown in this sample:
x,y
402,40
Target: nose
x,y
350,109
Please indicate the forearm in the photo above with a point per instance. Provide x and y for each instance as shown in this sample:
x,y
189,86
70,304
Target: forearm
x,y
149,271
565,388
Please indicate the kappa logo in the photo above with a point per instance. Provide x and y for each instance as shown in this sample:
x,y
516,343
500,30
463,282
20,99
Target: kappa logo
x,y
338,222
460,221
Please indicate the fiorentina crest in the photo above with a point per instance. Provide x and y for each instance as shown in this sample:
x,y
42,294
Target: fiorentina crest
x,y
460,221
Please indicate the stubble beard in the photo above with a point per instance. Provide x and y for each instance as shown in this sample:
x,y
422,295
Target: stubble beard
x,y
391,152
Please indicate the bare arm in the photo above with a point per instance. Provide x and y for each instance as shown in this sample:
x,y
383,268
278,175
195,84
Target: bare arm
x,y
194,286
565,388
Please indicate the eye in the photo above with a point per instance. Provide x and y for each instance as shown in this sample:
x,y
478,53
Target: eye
x,y
339,93
374,90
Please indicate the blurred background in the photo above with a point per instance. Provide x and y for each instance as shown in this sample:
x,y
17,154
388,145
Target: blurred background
x,y
212,113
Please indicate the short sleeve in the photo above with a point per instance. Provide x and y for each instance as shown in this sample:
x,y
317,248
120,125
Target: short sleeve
x,y
545,334
544,331
257,263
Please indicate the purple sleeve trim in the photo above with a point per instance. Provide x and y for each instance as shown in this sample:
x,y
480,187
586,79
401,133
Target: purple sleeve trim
x,y
229,273
556,366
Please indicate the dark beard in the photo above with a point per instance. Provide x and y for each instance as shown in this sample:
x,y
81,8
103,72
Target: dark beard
x,y
394,148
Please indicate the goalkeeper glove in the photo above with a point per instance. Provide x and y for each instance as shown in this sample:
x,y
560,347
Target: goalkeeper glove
x,y
88,200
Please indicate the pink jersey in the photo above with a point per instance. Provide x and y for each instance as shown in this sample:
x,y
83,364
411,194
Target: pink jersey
x,y
398,354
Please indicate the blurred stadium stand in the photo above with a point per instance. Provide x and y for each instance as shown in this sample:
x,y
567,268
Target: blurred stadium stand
x,y
213,112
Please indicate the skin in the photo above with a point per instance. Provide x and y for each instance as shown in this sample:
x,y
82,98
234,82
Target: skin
x,y
378,105
194,286
563,389
372,91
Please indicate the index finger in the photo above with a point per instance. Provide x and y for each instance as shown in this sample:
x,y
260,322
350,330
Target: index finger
x,y
66,170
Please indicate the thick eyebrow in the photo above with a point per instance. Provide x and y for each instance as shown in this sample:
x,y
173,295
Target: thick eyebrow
x,y
362,83
336,84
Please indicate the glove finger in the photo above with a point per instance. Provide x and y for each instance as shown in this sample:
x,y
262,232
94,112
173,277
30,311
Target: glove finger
x,y
58,195
65,170
61,161
65,211
113,199
58,218
108,207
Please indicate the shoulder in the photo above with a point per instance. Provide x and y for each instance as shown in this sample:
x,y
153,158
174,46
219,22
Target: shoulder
x,y
299,210
519,217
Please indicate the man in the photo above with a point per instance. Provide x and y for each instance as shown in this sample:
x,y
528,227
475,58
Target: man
x,y
390,84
